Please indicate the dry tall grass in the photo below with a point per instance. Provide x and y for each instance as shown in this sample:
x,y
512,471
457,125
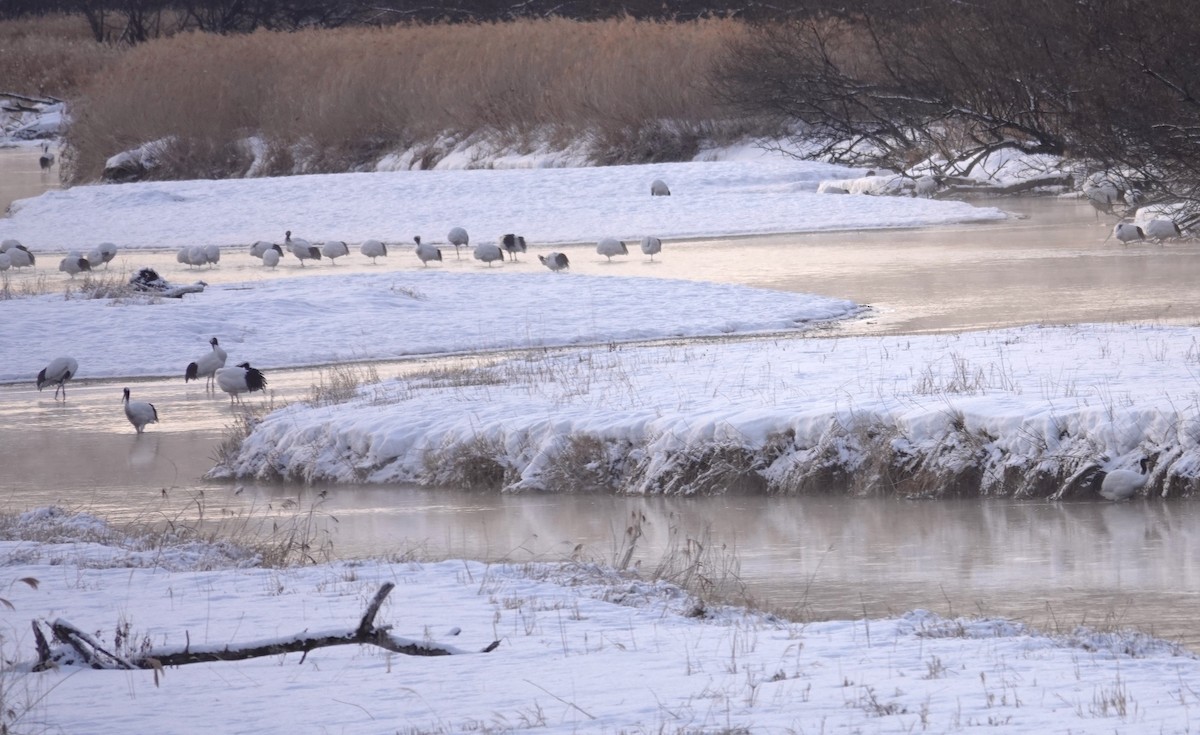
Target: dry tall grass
x,y
332,100
52,55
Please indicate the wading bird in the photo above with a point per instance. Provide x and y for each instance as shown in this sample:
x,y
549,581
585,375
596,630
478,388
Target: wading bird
x,y
139,413
426,252
513,244
373,249
1127,232
488,252
46,160
302,249
206,366
651,246
271,258
18,254
1123,484
106,252
74,263
240,379
334,249
261,247
458,238
1162,228
555,261
58,372
611,246
1101,193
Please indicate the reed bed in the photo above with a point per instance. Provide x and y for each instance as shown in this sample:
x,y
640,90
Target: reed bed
x,y
51,56
336,100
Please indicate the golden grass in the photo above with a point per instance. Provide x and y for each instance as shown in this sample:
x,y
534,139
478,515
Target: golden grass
x,y
328,100
50,56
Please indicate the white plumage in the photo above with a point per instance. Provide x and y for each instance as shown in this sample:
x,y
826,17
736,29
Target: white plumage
x,y
191,255
5,262
206,366
513,244
104,254
659,188
458,238
240,379
1127,232
58,372
1162,228
555,261
1101,193
74,263
271,258
17,253
139,413
611,246
1123,484
334,249
426,252
488,252
373,249
651,246
302,249
261,247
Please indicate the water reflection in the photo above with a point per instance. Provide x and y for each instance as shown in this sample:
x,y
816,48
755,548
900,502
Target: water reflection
x,y
1054,564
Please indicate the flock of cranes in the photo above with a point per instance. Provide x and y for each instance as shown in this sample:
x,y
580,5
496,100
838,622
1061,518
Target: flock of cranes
x,y
508,247
236,380
15,255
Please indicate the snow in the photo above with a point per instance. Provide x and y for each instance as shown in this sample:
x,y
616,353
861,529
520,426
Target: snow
x,y
581,649
1017,399
439,311
767,194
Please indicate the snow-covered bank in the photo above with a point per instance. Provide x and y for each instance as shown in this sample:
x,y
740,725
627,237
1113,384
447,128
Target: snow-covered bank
x,y
763,194
1015,412
354,318
582,649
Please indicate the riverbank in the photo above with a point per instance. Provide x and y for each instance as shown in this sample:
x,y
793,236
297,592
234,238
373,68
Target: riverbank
x,y
564,629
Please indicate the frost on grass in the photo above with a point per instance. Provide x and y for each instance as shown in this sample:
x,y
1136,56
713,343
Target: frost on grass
x,y
1031,412
55,535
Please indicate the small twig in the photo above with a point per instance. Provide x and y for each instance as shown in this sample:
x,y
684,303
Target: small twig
x,y
569,704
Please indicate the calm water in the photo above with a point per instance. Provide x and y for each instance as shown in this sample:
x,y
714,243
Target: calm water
x,y
1053,564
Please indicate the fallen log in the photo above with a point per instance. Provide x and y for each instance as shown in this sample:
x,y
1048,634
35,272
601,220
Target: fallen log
x,y
975,187
81,648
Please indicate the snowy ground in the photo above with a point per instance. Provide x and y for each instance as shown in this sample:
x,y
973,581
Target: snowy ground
x,y
756,193
581,650
294,321
1020,405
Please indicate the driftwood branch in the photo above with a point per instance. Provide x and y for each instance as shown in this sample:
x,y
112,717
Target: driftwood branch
x,y
977,188
90,653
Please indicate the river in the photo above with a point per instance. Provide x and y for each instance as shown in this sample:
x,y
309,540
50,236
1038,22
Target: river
x,y
1051,564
